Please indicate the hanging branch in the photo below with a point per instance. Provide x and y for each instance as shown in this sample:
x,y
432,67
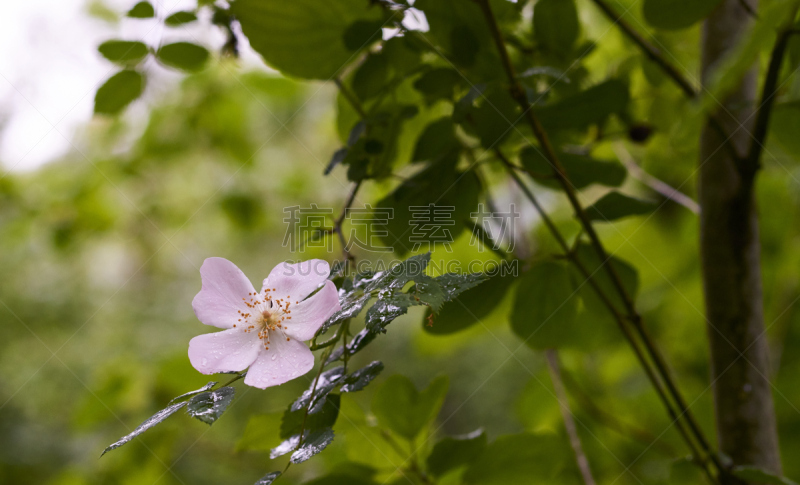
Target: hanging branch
x,y
518,94
752,161
569,422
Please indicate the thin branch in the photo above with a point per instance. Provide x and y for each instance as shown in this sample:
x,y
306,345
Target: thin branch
x,y
649,49
351,98
654,183
752,161
337,224
518,94
569,421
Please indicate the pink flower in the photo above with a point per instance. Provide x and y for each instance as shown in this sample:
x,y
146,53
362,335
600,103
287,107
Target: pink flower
x,y
265,330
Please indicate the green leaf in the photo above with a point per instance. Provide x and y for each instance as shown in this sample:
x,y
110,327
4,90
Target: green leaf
x,y
437,291
592,303
545,307
400,407
123,51
261,433
370,77
359,379
438,83
468,308
307,38
183,55
676,14
359,341
147,424
521,458
142,10
615,205
586,108
390,305
268,478
556,26
437,140
314,443
324,385
209,406
581,170
439,184
495,118
292,421
452,452
192,393
180,18
118,92
757,475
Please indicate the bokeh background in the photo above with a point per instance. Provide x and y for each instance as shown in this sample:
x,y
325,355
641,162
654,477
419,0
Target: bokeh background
x,y
104,223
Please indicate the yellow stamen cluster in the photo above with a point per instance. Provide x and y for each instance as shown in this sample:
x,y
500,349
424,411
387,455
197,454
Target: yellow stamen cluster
x,y
269,314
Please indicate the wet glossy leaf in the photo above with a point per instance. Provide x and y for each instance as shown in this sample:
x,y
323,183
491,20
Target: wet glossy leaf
x,y
123,51
327,381
268,478
615,205
292,421
180,18
545,307
118,92
314,443
192,393
209,406
555,25
436,291
359,379
390,305
183,55
399,406
142,10
452,452
676,14
359,341
307,38
147,424
468,308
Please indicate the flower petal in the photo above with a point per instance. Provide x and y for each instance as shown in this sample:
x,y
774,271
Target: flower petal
x,y
310,314
284,361
219,299
297,280
226,351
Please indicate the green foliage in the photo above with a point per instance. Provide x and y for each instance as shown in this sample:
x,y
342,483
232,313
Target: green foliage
x,y
123,51
142,10
183,55
615,205
118,92
545,308
581,170
588,107
453,452
399,406
308,39
209,406
555,25
180,18
677,14
469,308
517,458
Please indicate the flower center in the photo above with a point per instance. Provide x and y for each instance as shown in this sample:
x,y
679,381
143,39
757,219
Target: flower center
x,y
267,317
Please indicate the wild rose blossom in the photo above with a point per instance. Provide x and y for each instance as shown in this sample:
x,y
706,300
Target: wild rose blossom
x,y
263,330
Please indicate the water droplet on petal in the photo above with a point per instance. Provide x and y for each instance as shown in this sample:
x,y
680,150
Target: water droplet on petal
x,y
205,361
274,356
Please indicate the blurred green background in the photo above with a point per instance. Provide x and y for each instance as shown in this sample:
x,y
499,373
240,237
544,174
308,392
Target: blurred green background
x,y
99,257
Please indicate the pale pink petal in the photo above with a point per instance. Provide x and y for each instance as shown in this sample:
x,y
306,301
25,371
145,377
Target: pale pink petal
x,y
284,361
220,298
226,351
297,280
309,315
